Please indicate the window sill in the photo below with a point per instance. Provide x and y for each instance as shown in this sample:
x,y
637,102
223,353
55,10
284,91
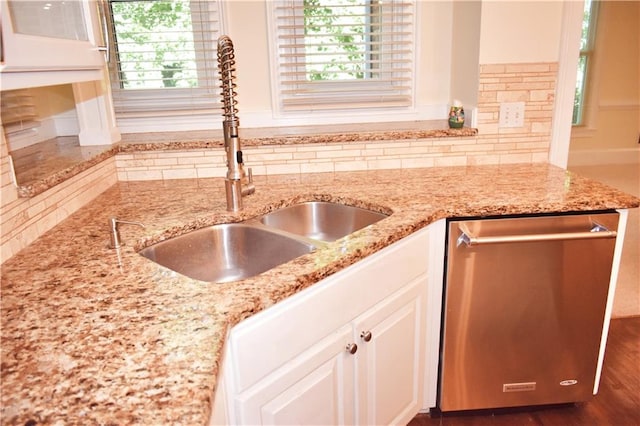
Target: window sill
x,y
300,134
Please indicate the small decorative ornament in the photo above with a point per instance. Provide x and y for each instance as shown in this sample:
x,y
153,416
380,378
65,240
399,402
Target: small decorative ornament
x,y
456,115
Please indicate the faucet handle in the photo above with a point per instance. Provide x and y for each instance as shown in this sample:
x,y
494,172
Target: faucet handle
x,y
249,188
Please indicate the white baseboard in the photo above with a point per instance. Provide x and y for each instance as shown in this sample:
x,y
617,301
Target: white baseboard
x,y
594,157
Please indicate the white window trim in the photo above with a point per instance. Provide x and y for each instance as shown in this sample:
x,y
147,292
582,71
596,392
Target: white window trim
x,y
566,86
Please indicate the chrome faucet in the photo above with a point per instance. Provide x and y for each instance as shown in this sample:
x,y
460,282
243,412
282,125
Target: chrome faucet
x,y
237,183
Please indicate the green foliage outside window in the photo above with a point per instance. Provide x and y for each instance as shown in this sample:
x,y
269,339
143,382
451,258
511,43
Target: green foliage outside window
x,y
155,46
335,39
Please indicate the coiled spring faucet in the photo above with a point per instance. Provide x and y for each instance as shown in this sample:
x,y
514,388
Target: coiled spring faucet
x,y
237,184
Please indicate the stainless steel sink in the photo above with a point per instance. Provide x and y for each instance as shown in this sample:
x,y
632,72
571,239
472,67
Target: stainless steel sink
x,y
227,252
235,251
320,220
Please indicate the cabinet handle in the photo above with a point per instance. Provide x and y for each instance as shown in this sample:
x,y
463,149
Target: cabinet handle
x,y
352,348
366,336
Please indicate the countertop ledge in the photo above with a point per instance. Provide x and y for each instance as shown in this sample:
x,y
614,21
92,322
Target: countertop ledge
x,y
173,141
94,335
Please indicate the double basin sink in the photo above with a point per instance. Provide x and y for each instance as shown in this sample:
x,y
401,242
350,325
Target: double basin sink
x,y
236,251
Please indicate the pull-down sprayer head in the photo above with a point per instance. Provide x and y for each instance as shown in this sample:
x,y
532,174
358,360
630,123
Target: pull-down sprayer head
x,y
227,68
234,182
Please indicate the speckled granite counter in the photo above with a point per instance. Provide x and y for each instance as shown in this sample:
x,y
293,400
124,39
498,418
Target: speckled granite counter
x,y
42,166
93,335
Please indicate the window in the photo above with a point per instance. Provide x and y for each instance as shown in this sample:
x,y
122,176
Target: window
x,y
586,53
164,62
337,54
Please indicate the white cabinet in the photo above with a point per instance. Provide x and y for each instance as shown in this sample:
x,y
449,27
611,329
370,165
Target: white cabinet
x,y
293,363
50,42
366,372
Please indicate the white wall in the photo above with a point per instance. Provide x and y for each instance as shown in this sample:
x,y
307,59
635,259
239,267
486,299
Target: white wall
x,y
433,70
58,105
247,27
520,31
465,62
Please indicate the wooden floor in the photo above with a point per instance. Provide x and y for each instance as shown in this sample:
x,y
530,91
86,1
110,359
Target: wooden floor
x,y
617,402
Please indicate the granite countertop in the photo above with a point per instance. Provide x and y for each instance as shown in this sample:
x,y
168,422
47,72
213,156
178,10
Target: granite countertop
x,y
94,335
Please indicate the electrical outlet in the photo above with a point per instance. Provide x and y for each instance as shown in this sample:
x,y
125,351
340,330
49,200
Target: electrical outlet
x,y
512,114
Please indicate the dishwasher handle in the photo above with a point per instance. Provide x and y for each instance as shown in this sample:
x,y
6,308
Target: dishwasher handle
x,y
598,231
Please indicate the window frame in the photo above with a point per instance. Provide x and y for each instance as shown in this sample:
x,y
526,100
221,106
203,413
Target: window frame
x,y
580,112
150,110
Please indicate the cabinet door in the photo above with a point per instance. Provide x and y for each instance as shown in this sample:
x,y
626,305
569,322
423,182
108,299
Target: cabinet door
x,y
391,357
51,35
316,387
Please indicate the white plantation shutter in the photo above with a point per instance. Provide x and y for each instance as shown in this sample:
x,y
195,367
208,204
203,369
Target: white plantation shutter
x,y
165,71
336,54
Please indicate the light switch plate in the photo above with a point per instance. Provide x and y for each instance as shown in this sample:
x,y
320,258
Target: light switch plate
x,y
512,114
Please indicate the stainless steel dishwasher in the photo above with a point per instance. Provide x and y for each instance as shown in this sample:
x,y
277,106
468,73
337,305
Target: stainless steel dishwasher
x,y
524,307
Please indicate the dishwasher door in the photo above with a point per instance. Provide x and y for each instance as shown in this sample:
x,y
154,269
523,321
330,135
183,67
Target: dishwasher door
x,y
524,309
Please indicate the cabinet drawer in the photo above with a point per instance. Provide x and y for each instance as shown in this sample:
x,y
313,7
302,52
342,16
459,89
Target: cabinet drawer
x,y
270,338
